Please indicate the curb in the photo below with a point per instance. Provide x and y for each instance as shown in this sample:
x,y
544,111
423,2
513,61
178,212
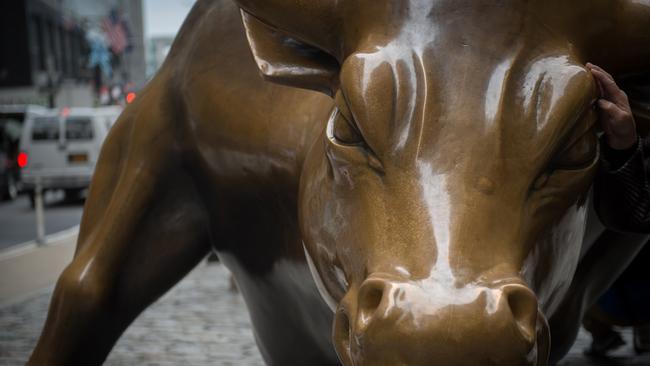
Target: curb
x,y
28,268
26,247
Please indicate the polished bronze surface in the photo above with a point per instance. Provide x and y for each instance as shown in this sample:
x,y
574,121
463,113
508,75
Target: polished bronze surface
x,y
432,211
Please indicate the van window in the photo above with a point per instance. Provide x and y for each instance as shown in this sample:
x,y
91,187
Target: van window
x,y
45,129
78,128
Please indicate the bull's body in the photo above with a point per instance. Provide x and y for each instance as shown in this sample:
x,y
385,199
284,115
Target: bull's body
x,y
211,156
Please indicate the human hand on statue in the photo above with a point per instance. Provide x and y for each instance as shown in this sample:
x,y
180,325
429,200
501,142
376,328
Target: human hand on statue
x,y
614,111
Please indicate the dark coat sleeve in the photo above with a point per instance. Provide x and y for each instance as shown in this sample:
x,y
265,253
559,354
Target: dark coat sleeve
x,y
622,190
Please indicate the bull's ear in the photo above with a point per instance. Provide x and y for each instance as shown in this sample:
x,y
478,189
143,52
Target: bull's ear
x,y
286,60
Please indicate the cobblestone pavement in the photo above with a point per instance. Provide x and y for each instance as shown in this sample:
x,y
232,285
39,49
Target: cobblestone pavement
x,y
200,322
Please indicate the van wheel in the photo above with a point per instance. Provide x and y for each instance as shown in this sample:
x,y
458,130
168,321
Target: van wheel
x,y
12,189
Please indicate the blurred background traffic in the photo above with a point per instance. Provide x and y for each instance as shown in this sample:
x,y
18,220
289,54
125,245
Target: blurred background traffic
x,y
67,69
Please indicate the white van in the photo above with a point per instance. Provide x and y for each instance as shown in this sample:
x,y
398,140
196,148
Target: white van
x,y
61,147
12,118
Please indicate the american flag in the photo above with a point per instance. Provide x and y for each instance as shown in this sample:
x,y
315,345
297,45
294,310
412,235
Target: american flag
x,y
116,34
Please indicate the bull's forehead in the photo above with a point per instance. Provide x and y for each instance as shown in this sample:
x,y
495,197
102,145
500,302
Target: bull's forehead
x,y
447,77
368,23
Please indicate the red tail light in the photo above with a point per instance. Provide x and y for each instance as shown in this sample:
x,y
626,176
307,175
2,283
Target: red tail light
x,y
22,159
130,97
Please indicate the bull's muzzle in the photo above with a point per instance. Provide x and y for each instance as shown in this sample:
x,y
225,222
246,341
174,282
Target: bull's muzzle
x,y
388,322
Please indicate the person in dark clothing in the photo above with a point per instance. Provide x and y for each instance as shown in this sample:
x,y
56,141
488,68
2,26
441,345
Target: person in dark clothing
x,y
622,192
622,202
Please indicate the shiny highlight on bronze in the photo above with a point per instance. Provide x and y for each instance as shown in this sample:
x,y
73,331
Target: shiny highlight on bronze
x,y
429,206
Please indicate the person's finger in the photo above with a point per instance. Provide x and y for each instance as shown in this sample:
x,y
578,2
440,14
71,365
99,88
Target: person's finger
x,y
610,90
613,119
607,107
604,80
601,92
598,68
600,81
608,113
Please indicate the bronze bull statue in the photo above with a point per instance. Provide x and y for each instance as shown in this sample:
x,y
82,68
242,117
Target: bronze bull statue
x,y
428,207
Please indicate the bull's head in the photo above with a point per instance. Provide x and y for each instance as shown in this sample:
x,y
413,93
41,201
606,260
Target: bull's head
x,y
443,204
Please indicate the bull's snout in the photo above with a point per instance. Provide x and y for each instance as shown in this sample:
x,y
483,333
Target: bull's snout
x,y
390,322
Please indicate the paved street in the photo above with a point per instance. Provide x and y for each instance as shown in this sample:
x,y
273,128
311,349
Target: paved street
x,y
200,322
18,221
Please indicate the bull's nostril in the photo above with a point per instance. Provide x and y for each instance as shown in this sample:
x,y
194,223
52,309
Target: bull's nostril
x,y
370,302
370,297
523,305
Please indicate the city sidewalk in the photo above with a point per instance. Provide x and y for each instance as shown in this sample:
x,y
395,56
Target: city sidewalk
x,y
199,322
30,267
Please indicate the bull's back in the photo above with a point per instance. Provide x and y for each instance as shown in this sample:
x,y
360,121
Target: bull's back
x,y
238,123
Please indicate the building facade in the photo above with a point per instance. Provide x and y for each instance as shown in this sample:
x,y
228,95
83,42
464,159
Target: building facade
x,y
132,67
159,47
45,51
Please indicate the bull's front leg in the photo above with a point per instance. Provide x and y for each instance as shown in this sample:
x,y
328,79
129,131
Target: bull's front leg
x,y
143,229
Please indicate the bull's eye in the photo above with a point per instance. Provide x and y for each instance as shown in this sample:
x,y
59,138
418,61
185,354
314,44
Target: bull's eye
x,y
341,127
346,142
344,132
